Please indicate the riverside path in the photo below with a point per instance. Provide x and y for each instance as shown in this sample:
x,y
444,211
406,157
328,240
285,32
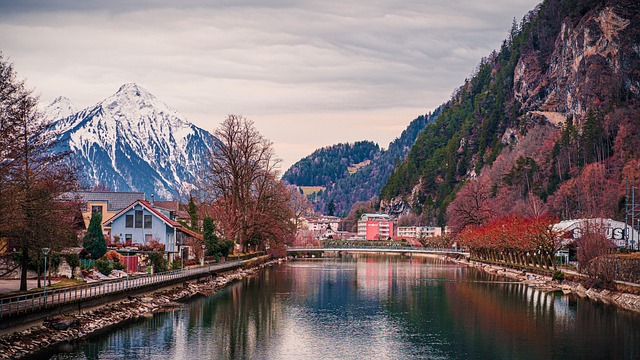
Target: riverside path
x,y
37,301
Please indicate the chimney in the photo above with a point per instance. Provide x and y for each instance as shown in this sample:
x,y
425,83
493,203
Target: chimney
x,y
152,200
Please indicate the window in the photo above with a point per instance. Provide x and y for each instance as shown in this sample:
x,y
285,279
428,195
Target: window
x,y
127,239
147,222
138,219
96,209
147,239
129,221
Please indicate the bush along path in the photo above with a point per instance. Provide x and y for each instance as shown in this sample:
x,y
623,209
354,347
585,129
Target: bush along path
x,y
70,328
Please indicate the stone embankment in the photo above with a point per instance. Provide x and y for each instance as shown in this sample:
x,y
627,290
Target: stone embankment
x,y
545,283
73,327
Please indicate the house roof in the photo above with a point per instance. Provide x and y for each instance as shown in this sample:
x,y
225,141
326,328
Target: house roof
x,y
191,233
116,201
148,206
169,205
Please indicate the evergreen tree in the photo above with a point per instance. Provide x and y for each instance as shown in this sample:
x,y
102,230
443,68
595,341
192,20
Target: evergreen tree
x,y
94,241
193,215
209,234
331,208
215,247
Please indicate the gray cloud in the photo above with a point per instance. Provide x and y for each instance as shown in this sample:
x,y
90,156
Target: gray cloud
x,y
309,73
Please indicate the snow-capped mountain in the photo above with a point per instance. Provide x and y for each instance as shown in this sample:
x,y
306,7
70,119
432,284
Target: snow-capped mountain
x,y
131,141
60,108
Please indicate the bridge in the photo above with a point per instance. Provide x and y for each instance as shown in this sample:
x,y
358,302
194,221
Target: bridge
x,y
375,249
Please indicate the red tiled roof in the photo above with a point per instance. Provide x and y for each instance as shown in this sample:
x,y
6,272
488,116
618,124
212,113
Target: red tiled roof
x,y
191,233
148,206
169,205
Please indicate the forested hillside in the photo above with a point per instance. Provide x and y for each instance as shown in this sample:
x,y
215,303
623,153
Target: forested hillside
x,y
364,184
549,123
326,165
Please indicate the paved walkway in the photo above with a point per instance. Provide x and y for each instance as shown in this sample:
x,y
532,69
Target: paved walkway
x,y
7,286
32,302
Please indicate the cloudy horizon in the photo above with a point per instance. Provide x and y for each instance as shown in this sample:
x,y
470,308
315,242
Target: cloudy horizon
x,y
309,74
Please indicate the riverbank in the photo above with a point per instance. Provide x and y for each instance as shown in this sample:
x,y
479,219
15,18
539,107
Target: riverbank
x,y
75,327
546,283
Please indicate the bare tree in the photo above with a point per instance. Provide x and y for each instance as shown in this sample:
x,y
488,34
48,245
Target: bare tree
x,y
32,178
298,204
248,201
470,207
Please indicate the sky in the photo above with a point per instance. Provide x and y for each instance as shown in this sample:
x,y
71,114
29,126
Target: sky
x,y
309,74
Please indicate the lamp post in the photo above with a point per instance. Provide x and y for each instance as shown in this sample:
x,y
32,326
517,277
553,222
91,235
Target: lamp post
x,y
203,249
45,251
179,243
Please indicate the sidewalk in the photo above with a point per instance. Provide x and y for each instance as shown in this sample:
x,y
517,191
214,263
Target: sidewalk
x,y
7,286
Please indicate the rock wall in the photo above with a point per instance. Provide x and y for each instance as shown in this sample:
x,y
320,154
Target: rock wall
x,y
73,327
589,67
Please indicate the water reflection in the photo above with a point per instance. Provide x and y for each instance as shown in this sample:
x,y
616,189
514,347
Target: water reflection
x,y
383,307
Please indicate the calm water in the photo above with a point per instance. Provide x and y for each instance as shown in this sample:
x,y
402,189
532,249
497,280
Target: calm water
x,y
375,307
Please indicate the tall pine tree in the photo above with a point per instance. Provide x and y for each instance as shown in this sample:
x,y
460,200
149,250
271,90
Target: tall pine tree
x,y
94,241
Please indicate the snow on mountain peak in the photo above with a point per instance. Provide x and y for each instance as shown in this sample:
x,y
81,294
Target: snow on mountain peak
x,y
132,141
59,108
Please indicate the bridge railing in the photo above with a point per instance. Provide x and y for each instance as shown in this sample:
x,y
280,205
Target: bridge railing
x,y
35,301
381,248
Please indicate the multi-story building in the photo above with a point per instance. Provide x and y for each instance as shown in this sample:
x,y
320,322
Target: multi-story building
x,y
108,203
415,232
319,223
375,226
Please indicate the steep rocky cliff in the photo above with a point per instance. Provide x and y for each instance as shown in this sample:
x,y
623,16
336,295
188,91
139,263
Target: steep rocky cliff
x,y
554,110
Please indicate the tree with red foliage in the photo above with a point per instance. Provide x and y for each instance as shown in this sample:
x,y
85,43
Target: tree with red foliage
x,y
470,207
593,244
591,194
513,239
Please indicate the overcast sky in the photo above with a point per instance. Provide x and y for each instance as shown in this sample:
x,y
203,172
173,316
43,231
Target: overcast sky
x,y
308,73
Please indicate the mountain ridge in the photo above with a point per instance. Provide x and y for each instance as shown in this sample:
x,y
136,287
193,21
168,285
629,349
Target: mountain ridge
x,y
132,141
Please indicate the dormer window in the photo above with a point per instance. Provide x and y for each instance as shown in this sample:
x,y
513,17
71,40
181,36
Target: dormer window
x,y
96,209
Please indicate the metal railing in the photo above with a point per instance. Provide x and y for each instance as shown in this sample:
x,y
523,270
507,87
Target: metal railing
x,y
36,301
376,249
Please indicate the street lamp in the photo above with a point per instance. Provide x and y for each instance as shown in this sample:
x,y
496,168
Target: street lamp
x,y
45,251
203,248
179,243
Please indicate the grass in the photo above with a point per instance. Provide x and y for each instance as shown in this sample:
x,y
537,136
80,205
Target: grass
x,y
60,284
308,190
355,167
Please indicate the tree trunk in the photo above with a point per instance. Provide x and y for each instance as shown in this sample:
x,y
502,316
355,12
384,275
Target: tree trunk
x,y
24,263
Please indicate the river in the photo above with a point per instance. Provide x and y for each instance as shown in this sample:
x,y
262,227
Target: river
x,y
374,307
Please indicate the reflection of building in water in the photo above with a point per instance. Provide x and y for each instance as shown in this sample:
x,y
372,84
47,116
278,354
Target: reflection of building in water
x,y
620,234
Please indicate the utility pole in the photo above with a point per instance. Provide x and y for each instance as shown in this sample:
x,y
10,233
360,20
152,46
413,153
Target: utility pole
x,y
633,211
626,213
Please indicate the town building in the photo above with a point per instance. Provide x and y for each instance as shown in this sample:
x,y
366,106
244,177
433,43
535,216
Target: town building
x,y
140,223
321,223
620,234
108,203
416,232
375,226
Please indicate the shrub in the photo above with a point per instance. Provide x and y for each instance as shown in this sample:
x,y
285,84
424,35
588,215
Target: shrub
x,y
73,260
176,265
114,256
104,266
558,275
158,261
119,266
